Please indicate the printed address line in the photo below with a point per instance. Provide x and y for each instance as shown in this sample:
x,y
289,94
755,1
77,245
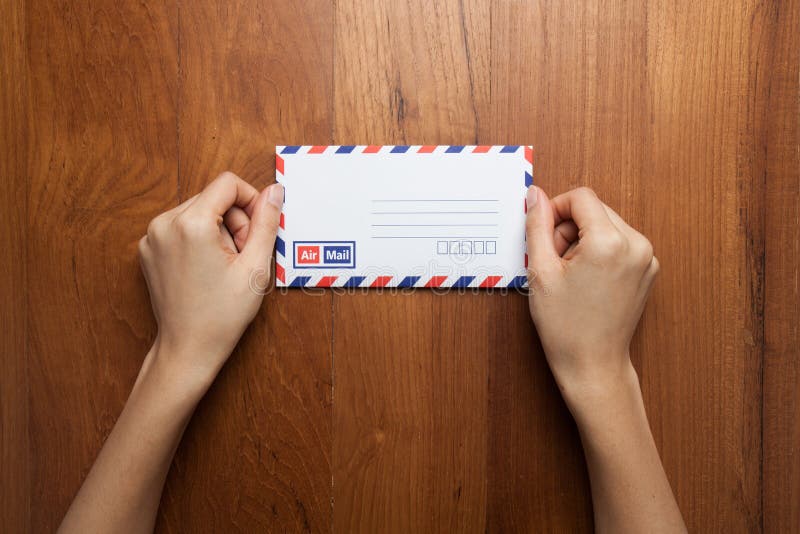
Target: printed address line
x,y
434,212
453,238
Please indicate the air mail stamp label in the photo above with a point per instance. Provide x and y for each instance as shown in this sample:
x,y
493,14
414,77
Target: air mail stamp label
x,y
324,254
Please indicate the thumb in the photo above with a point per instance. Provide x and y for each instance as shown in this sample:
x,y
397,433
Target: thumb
x,y
539,229
264,226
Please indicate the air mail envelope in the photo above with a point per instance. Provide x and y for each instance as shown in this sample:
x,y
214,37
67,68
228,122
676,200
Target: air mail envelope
x,y
402,216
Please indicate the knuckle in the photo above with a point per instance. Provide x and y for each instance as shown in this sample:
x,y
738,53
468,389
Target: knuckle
x,y
616,244
586,192
190,226
143,250
155,227
648,250
655,266
643,250
611,245
227,177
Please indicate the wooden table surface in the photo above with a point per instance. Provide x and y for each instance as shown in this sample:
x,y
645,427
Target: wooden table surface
x,y
422,412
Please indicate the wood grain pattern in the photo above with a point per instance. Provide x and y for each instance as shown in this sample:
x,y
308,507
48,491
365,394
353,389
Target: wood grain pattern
x,y
586,129
14,443
415,412
781,149
102,164
701,348
410,371
260,442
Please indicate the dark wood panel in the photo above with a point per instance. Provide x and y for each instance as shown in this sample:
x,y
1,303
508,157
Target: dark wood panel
x,y
700,341
781,149
660,127
257,454
410,412
683,116
102,164
536,472
586,128
14,443
410,371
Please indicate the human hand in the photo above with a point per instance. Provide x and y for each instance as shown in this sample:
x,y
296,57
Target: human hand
x,y
590,275
198,259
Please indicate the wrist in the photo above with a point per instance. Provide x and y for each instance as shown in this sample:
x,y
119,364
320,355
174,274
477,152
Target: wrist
x,y
611,418
602,394
164,367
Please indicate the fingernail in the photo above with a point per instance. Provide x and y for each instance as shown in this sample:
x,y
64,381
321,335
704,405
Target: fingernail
x,y
275,195
533,196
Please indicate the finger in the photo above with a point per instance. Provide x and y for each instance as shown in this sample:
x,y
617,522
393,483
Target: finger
x,y
264,227
238,224
227,239
539,229
565,235
225,191
144,249
583,207
570,252
619,222
180,208
185,204
654,268
652,272
639,243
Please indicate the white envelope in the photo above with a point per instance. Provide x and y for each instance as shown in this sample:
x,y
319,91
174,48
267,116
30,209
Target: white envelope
x,y
403,216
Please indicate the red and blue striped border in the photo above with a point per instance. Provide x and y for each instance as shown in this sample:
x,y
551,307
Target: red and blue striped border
x,y
380,281
401,282
403,149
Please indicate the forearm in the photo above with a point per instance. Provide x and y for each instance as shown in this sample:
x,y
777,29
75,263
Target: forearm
x,y
123,488
630,490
